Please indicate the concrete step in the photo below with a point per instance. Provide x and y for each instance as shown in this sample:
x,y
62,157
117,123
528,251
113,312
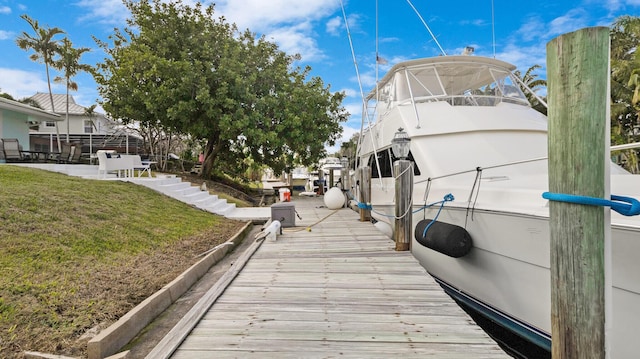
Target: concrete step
x,y
155,182
183,192
225,209
168,189
255,214
197,196
220,207
204,202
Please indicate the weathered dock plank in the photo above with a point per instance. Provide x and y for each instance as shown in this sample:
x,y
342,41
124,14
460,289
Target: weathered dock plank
x,y
339,290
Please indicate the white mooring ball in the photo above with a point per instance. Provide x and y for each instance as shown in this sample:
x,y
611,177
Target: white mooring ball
x,y
334,198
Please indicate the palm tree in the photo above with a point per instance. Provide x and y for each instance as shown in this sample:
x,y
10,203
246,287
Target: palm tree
x,y
531,80
91,113
45,47
69,63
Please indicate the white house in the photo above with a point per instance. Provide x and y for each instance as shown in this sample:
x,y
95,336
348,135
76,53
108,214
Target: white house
x,y
17,117
94,133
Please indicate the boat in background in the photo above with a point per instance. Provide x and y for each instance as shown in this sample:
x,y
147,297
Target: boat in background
x,y
475,136
299,178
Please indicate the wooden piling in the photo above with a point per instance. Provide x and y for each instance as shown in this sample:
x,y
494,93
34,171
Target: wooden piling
x,y
578,89
345,179
320,182
404,191
365,192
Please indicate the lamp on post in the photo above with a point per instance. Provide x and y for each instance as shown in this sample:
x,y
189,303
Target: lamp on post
x,y
344,161
403,174
400,144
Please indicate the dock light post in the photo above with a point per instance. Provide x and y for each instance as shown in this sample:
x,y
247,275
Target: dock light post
x,y
403,173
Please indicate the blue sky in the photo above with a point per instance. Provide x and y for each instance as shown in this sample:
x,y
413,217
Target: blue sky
x,y
315,29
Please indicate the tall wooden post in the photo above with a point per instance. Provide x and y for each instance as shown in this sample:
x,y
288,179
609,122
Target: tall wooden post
x,y
320,182
404,191
344,179
578,88
365,193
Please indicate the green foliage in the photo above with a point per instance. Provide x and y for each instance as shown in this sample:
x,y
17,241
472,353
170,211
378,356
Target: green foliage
x,y
198,76
69,63
625,87
44,46
7,96
534,83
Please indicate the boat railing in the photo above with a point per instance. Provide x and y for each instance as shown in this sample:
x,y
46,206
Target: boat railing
x,y
466,100
626,146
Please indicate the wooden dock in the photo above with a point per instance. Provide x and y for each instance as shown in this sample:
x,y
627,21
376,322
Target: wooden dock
x,y
338,290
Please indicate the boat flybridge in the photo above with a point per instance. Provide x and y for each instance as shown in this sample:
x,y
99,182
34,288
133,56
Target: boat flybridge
x,y
475,136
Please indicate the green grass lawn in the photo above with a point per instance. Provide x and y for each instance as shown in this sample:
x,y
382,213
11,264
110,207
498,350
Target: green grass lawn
x,y
77,253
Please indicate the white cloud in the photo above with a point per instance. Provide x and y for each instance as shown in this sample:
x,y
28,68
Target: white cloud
x,y
571,21
260,15
533,28
295,40
289,23
384,40
351,92
524,57
109,12
354,107
334,26
20,84
347,133
5,35
5,10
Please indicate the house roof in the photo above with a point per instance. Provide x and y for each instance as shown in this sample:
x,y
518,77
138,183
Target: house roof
x,y
59,103
29,110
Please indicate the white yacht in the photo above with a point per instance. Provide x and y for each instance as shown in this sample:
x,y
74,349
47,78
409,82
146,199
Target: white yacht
x,y
475,136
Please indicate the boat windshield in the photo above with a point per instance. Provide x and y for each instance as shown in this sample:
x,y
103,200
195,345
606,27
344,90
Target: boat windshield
x,y
458,83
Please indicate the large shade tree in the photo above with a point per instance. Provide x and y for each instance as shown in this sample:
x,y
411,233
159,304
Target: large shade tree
x,y
179,67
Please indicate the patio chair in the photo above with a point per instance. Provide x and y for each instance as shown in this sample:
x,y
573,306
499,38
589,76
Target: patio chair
x,y
76,153
12,150
65,155
142,168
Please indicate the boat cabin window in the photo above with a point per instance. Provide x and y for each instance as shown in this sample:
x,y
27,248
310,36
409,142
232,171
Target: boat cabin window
x,y
459,83
386,159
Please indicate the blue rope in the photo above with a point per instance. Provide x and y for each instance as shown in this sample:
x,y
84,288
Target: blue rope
x,y
364,206
626,206
447,198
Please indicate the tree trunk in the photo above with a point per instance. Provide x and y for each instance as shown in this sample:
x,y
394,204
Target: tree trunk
x,y
46,66
209,158
211,151
66,114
